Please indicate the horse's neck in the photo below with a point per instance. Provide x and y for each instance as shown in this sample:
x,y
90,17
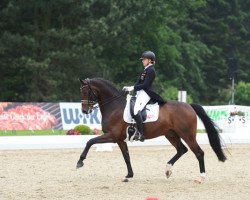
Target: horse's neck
x,y
109,99
105,92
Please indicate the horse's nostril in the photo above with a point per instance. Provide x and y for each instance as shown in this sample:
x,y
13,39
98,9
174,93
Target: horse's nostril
x,y
84,111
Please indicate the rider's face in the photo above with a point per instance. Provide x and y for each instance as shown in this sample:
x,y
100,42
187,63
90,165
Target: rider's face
x,y
146,62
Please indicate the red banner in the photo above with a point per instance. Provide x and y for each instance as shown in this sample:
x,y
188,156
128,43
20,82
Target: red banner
x,y
29,116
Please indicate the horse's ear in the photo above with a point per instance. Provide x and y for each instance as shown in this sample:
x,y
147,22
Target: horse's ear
x,y
82,81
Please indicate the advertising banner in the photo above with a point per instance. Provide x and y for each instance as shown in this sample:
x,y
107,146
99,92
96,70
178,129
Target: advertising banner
x,y
72,115
229,118
29,116
43,116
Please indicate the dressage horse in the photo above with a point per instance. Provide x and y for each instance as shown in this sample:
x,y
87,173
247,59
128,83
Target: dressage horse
x,y
176,121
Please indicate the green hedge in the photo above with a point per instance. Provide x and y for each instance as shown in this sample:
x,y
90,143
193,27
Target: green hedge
x,y
83,129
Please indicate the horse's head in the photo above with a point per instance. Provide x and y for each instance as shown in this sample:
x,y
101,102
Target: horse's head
x,y
101,91
89,96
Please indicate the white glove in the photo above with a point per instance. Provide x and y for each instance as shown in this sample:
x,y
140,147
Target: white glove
x,y
128,88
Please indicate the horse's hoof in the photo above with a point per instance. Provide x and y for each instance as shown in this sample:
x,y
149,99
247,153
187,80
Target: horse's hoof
x,y
168,173
129,176
200,180
125,180
79,164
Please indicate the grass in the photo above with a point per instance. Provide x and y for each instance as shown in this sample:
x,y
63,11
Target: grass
x,y
33,133
44,133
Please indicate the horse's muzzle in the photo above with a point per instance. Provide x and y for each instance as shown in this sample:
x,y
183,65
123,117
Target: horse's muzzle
x,y
87,111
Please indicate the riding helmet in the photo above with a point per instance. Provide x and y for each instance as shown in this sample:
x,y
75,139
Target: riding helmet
x,y
149,55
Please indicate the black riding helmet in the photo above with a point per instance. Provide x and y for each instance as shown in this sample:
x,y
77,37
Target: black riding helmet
x,y
149,55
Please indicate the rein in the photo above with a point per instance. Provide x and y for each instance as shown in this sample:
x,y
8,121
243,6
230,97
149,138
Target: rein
x,y
109,100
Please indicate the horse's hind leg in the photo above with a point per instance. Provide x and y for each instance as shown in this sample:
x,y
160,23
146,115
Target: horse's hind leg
x,y
198,152
124,149
175,140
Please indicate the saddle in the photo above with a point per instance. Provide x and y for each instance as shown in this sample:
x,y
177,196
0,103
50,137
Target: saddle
x,y
149,114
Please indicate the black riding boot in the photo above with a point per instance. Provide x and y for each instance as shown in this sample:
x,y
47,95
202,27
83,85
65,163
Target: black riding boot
x,y
139,122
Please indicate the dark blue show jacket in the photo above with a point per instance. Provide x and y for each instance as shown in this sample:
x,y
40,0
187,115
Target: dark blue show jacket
x,y
145,82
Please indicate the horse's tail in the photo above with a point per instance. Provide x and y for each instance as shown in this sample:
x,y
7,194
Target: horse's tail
x,y
212,132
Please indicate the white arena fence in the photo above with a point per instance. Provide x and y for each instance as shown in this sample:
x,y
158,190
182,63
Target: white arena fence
x,y
60,142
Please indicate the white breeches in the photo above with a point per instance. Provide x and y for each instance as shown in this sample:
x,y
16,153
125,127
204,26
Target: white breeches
x,y
142,99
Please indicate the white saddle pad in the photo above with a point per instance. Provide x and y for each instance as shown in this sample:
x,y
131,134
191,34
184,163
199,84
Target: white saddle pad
x,y
152,111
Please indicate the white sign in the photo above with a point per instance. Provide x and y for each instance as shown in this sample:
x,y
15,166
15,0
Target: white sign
x,y
229,118
72,115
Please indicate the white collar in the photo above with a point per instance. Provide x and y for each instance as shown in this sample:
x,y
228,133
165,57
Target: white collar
x,y
147,66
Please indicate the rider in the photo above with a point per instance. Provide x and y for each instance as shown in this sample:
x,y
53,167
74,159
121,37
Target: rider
x,y
143,89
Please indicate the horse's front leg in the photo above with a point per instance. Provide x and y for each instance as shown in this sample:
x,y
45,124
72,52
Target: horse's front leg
x,y
124,148
106,138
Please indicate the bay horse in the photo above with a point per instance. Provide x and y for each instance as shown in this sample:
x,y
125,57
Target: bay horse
x,y
177,120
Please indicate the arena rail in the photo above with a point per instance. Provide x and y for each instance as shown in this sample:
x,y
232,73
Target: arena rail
x,y
79,141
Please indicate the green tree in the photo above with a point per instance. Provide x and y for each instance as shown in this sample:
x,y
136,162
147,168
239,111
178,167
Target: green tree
x,y
46,45
221,26
242,94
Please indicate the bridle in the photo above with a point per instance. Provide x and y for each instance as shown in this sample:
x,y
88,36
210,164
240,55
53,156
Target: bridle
x,y
93,98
